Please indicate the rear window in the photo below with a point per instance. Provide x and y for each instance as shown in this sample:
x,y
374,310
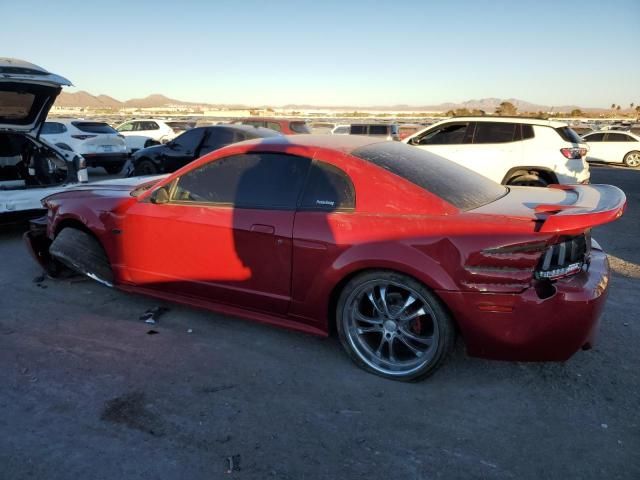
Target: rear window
x,y
94,127
461,187
299,127
20,104
568,135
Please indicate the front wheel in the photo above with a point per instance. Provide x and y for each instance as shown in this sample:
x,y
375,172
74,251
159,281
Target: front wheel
x,y
632,159
145,167
393,326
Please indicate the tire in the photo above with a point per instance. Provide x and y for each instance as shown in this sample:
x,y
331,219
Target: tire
x,y
112,169
145,167
379,341
82,253
632,159
527,180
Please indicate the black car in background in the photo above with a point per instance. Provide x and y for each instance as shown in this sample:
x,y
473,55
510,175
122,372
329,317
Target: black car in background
x,y
192,144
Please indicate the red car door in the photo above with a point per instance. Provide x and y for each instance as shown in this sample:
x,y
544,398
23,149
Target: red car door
x,y
225,234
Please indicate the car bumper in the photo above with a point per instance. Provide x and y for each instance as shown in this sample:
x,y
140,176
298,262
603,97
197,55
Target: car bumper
x,y
102,159
526,327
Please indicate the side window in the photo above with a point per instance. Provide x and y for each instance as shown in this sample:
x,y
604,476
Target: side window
x,y
139,126
449,134
253,180
274,126
358,130
378,130
151,126
254,123
619,137
494,132
616,137
190,139
596,137
126,127
527,131
328,188
52,128
216,138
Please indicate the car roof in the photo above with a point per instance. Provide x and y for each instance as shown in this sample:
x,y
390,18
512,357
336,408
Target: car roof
x,y
68,121
624,132
343,143
506,119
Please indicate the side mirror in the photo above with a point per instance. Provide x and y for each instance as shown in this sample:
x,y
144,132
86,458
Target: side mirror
x,y
160,196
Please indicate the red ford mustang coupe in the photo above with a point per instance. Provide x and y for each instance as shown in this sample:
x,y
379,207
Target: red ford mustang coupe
x,y
397,249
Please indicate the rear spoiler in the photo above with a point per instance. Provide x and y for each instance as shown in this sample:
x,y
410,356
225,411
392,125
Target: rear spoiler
x,y
594,205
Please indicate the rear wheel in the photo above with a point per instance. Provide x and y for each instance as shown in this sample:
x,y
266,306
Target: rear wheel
x,y
632,159
393,326
82,253
527,180
146,167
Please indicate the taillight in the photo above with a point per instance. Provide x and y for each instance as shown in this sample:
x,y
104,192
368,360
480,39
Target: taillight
x,y
573,153
564,258
83,137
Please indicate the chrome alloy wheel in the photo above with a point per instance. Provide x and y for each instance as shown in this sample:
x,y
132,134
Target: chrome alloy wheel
x,y
391,327
632,159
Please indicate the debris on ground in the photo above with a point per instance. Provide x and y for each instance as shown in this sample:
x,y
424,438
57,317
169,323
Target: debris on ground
x,y
233,462
152,315
152,332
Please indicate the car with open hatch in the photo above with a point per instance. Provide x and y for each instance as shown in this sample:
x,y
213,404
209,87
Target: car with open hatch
x,y
397,249
30,167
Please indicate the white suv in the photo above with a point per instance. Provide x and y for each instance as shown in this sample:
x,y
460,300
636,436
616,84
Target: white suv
x,y
511,151
144,132
97,142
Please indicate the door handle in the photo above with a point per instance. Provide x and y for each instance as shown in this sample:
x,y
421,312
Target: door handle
x,y
258,228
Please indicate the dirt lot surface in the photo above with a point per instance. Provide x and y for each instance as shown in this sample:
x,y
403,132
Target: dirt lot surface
x,y
87,392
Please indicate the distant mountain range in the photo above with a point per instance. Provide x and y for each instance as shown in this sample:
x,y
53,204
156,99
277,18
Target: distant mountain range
x,y
87,100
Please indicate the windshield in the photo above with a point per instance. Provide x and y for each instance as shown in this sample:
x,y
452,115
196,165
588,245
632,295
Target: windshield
x,y
461,187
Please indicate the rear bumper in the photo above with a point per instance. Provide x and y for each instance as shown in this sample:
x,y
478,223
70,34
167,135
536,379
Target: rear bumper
x,y
102,159
526,327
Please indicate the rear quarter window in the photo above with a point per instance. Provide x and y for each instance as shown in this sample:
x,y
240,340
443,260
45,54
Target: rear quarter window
x,y
461,187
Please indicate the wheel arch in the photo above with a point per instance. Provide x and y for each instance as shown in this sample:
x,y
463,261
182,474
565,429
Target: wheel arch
x,y
546,173
334,295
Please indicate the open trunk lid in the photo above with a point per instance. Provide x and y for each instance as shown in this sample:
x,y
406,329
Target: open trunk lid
x,y
562,209
27,92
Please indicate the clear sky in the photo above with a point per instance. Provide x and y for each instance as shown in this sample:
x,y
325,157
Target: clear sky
x,y
329,52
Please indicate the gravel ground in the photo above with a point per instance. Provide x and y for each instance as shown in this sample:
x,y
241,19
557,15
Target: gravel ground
x,y
87,392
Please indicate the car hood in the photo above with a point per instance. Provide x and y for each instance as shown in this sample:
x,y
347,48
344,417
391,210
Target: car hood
x,y
148,151
27,93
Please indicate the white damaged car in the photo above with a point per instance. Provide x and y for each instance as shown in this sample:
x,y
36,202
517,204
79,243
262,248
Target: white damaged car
x,y
31,168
